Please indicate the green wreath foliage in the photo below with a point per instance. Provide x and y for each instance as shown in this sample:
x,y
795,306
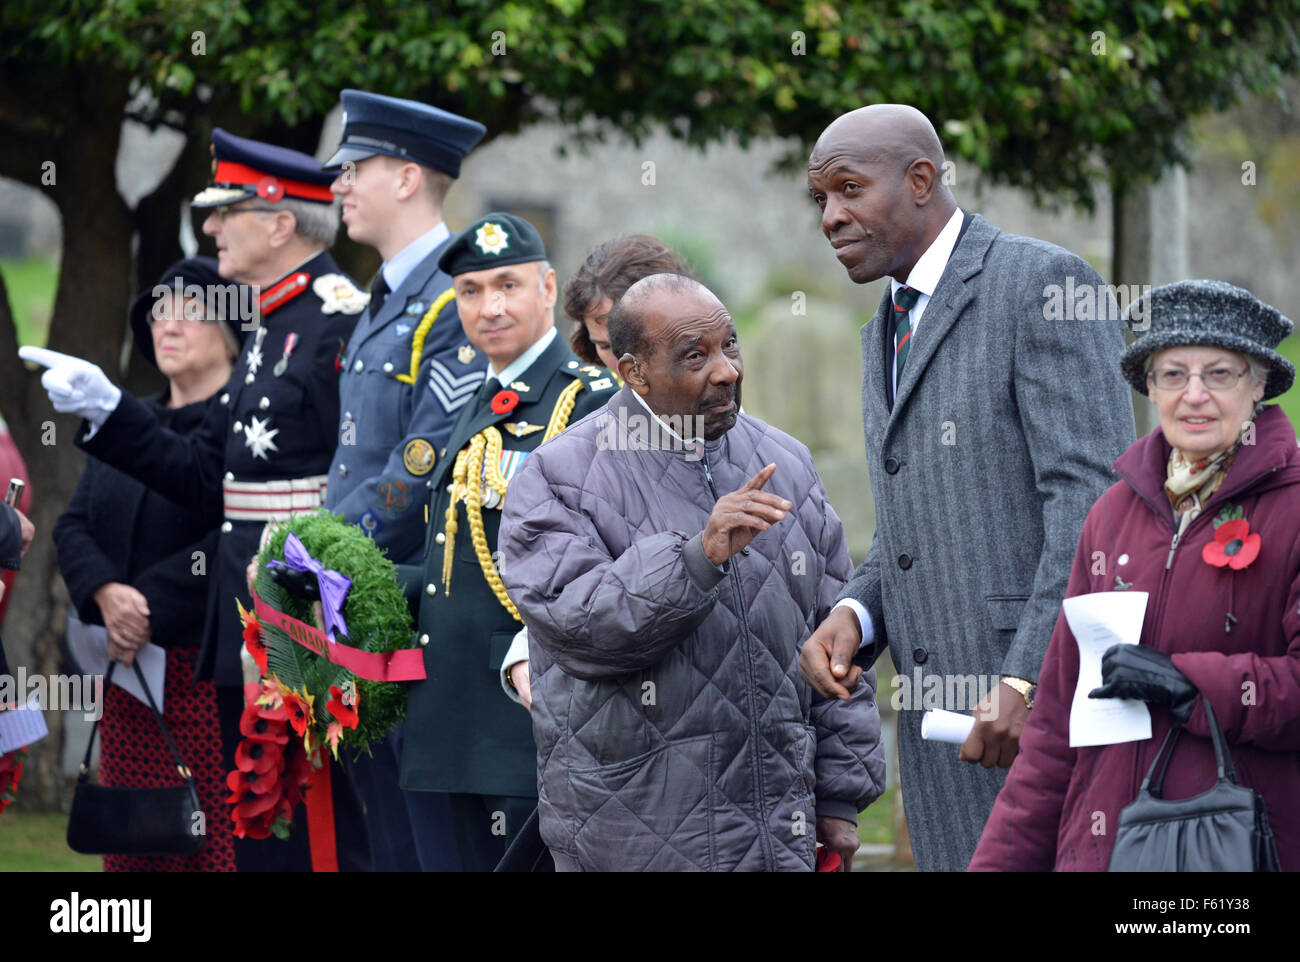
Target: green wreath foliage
x,y
377,616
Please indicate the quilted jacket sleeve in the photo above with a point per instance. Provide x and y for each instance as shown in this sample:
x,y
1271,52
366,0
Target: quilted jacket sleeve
x,y
597,616
850,763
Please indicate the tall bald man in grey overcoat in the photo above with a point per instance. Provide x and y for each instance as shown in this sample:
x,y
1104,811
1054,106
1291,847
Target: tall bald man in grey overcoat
x,y
992,408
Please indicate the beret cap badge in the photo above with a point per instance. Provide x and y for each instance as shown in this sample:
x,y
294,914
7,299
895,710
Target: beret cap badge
x,y
491,239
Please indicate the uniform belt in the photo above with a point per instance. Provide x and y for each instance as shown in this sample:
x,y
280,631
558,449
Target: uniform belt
x,y
273,500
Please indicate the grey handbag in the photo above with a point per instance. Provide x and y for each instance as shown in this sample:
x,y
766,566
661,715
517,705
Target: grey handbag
x,y
1223,830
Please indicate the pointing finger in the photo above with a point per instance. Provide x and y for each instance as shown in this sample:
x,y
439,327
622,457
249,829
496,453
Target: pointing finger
x,y
760,479
44,356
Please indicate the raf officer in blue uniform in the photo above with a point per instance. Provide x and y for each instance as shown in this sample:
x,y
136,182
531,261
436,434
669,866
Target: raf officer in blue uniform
x,y
464,737
407,371
264,448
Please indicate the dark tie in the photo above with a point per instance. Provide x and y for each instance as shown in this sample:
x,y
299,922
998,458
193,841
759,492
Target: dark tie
x,y
378,293
905,299
486,392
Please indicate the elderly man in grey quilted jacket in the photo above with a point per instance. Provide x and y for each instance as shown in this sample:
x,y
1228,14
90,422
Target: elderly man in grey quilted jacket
x,y
674,730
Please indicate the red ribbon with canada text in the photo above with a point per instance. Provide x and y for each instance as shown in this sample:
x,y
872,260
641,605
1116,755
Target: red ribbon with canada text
x,y
406,664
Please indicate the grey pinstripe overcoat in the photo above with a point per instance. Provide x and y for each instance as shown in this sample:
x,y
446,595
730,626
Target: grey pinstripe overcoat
x,y
1001,437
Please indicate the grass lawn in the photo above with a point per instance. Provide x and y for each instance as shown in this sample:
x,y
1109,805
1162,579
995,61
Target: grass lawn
x,y
32,842
37,842
31,283
876,824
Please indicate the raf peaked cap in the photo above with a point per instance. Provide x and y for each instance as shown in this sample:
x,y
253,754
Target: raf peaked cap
x,y
493,241
1209,314
375,124
243,168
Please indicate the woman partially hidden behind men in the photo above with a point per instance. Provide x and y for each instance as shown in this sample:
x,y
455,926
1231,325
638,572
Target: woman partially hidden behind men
x,y
1206,518
128,557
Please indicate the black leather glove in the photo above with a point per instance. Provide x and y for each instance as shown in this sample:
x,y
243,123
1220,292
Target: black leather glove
x,y
1142,672
300,584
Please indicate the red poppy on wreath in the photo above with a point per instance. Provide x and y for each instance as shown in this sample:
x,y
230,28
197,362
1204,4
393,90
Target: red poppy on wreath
x,y
343,704
504,402
252,755
1234,546
253,637
255,726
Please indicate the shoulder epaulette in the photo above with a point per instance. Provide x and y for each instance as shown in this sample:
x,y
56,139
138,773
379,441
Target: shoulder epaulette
x,y
283,292
592,376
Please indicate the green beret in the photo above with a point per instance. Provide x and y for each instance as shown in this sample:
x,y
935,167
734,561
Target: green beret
x,y
492,241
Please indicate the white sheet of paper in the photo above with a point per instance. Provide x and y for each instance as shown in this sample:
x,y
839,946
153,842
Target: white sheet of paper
x,y
90,645
22,726
938,725
1098,621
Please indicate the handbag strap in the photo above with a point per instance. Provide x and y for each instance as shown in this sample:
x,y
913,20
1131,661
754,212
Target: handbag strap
x,y
181,767
1222,756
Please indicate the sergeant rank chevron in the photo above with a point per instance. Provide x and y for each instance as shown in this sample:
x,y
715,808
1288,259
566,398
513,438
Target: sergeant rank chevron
x,y
451,390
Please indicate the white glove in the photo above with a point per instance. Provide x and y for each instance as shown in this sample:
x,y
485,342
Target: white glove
x,y
75,386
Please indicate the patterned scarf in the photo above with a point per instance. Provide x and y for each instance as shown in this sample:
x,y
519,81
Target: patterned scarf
x,y
1190,484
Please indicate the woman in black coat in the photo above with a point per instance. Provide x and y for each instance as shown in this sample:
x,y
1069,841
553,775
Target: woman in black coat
x,y
137,564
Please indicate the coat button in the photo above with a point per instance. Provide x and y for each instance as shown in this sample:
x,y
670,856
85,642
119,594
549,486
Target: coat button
x,y
745,550
388,367
891,465
238,427
226,527
230,475
225,398
424,640
264,403
430,589
920,656
343,470
358,366
347,415
440,538
249,378
905,561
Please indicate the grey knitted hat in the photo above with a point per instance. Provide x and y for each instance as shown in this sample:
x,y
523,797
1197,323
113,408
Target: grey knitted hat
x,y
1208,313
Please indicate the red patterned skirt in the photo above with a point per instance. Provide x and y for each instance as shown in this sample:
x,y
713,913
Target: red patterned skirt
x,y
133,754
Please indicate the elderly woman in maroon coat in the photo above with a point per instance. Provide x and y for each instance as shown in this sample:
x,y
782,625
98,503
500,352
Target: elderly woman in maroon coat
x,y
1206,518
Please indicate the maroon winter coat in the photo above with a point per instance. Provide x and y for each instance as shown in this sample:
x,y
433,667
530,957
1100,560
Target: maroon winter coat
x,y
1060,806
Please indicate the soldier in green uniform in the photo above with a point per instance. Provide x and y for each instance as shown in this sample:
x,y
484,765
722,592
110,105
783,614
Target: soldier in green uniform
x,y
464,737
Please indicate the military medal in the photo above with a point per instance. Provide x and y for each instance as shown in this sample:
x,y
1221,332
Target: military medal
x,y
290,342
255,355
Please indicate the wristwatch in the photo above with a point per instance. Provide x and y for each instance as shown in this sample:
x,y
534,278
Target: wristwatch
x,y
1026,688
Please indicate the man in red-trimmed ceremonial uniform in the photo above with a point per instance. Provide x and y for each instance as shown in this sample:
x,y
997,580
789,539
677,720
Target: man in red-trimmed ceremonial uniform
x,y
264,449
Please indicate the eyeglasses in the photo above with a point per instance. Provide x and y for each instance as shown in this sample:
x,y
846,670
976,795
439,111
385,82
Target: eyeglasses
x,y
1215,379
225,210
184,319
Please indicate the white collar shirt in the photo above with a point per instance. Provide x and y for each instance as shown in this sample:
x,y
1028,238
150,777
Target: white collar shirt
x,y
925,274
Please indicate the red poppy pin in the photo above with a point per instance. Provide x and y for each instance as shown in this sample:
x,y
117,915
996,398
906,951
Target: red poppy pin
x,y
1234,546
503,402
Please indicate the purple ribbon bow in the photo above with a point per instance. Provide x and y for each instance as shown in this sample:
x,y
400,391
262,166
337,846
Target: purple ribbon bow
x,y
334,587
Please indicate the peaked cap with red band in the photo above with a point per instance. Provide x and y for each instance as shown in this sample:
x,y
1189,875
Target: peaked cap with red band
x,y
243,168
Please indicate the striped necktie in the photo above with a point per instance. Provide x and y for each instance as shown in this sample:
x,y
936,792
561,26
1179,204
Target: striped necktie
x,y
905,299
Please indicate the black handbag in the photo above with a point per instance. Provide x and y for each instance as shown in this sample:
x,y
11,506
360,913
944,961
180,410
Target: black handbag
x,y
1223,830
136,821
